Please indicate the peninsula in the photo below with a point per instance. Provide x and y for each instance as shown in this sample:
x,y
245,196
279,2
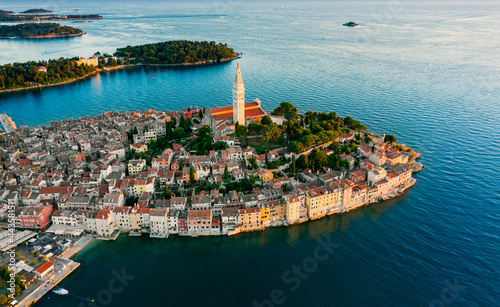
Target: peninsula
x,y
39,30
192,172
198,171
22,76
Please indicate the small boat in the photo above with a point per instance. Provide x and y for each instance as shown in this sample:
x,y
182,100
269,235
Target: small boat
x,y
60,291
77,9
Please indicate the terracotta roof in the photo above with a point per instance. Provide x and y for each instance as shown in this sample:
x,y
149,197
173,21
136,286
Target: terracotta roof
x,y
252,109
45,267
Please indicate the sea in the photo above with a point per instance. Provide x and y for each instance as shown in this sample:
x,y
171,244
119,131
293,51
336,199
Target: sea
x,y
427,72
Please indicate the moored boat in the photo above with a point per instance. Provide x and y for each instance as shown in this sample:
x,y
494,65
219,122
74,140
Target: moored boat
x,y
60,291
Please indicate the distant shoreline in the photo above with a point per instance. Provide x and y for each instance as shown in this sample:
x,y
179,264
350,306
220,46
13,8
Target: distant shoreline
x,y
107,69
43,36
38,18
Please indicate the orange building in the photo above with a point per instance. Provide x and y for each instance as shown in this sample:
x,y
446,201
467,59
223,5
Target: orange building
x,y
265,175
249,219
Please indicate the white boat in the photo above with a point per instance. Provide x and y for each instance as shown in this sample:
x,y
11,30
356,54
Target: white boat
x,y
60,291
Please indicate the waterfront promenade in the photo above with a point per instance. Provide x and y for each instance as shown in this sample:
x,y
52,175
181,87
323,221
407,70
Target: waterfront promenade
x,y
63,268
78,246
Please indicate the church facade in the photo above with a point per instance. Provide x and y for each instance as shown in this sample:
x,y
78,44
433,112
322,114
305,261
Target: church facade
x,y
222,120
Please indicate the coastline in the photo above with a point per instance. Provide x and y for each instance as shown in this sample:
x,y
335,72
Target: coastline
x,y
55,279
51,19
107,69
44,36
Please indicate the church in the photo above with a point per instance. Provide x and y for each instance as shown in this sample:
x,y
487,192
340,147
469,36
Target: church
x,y
223,120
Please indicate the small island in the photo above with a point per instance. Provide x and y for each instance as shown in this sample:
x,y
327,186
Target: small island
x,y
2,12
350,24
39,30
36,11
36,74
176,52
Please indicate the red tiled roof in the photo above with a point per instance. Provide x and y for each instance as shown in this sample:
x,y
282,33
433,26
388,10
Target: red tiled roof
x,y
45,267
252,109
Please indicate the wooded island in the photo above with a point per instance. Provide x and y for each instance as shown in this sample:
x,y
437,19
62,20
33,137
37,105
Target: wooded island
x,y
57,71
39,30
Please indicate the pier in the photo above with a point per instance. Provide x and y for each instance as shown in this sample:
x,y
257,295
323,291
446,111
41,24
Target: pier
x,y
8,124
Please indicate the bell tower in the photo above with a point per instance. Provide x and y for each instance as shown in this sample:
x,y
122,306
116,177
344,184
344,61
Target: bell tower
x,y
238,98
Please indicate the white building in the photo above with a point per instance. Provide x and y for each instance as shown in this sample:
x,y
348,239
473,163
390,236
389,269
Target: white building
x,y
122,219
376,174
64,217
159,222
113,199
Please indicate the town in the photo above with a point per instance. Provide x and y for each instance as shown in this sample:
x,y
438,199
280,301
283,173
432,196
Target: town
x,y
192,172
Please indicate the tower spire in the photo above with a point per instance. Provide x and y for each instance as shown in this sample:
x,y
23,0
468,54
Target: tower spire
x,y
238,98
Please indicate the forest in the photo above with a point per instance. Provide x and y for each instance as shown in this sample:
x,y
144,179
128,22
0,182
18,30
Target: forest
x,y
33,30
21,75
27,74
175,52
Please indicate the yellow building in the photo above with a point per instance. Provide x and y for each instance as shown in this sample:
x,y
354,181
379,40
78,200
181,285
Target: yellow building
x,y
135,166
265,213
139,147
292,209
143,186
318,201
92,61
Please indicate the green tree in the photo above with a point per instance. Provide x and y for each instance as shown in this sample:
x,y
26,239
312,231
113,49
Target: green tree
x,y
3,299
241,131
390,138
318,159
267,161
294,165
266,120
303,161
226,172
345,164
255,128
253,162
166,193
286,110
272,132
296,147
191,175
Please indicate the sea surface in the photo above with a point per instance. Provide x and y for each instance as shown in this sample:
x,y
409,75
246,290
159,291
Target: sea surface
x,y
428,73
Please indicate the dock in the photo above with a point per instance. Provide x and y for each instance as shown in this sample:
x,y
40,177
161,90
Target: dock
x,y
8,124
49,283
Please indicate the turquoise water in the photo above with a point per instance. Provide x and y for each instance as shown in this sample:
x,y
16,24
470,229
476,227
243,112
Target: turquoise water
x,y
430,74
